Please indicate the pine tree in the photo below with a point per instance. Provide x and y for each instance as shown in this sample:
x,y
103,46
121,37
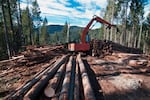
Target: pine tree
x,y
64,33
136,14
36,20
27,26
44,34
5,30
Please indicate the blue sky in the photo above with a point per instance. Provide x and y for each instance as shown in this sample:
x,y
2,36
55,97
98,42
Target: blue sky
x,y
76,12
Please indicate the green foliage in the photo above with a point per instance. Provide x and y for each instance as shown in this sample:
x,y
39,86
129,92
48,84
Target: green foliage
x,y
136,11
96,34
37,21
63,37
25,25
75,34
147,26
44,37
129,16
3,53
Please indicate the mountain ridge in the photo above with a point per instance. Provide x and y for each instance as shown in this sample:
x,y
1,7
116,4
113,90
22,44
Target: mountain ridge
x,y
51,29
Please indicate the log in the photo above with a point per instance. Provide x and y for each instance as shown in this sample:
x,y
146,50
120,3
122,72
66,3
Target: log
x,y
72,80
88,91
53,83
76,88
49,92
35,90
13,58
103,48
66,82
137,62
20,91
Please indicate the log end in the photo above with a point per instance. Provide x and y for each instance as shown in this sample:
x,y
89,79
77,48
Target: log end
x,y
49,92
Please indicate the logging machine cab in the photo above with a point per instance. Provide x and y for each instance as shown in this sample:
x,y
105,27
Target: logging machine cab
x,y
85,45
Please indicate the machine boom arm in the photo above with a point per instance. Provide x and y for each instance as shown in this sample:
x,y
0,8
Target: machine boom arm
x,y
96,18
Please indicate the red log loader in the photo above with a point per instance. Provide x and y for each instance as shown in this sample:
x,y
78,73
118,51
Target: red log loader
x,y
84,46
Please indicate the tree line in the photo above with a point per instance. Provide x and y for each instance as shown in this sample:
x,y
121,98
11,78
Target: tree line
x,y
133,28
23,27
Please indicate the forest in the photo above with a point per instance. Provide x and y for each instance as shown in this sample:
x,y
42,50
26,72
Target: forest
x,y
24,27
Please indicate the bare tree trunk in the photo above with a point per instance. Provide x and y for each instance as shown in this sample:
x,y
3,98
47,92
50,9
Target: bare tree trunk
x,y
6,32
144,45
107,34
29,23
127,35
115,33
112,19
104,32
132,36
140,35
122,38
68,28
126,39
20,19
129,39
135,41
12,29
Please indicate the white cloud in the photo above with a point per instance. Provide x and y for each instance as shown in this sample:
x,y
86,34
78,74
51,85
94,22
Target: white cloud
x,y
93,3
147,10
52,8
65,2
80,15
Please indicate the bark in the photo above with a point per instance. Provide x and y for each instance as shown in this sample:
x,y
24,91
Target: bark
x,y
112,19
145,46
121,36
132,37
107,34
104,32
68,28
129,39
20,19
135,41
87,88
29,23
140,35
12,29
126,24
6,32
115,35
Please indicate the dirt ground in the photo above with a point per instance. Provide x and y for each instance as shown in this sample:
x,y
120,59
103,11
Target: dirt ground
x,y
122,76
22,68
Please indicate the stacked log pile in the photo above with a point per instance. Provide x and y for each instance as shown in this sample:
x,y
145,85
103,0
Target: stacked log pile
x,y
120,48
36,55
103,47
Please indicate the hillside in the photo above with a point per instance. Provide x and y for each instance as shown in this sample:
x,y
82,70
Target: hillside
x,y
75,32
58,28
